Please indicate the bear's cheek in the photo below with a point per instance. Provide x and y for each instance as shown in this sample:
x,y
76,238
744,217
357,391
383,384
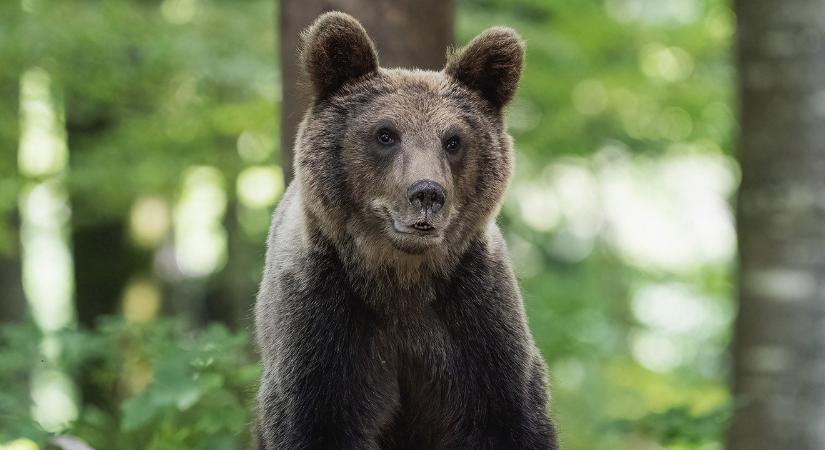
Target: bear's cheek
x,y
479,185
370,183
469,181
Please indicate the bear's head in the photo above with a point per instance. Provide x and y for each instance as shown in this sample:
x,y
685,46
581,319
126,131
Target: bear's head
x,y
404,163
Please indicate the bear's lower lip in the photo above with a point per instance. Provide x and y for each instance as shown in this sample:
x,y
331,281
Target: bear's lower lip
x,y
420,229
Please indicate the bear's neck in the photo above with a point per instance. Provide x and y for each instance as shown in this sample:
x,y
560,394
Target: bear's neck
x,y
379,272
405,284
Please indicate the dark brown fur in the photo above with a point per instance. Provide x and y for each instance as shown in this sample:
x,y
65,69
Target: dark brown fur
x,y
372,335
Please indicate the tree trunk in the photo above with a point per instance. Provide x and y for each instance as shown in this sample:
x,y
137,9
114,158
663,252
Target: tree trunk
x,y
104,263
12,302
408,33
779,345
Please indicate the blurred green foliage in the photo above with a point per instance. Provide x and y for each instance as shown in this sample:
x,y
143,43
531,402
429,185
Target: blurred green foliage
x,y
151,88
652,79
175,389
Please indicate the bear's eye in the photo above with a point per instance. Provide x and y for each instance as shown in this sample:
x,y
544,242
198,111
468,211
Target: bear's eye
x,y
452,145
385,137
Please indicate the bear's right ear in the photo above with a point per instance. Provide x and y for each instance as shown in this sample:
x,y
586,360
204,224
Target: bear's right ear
x,y
336,49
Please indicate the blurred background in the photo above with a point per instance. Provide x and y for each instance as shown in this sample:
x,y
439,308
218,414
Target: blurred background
x,y
145,143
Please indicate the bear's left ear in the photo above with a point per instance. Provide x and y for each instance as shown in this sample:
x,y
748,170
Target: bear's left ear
x,y
490,64
336,49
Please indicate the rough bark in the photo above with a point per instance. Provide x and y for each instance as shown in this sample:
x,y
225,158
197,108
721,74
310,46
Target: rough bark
x,y
779,345
408,33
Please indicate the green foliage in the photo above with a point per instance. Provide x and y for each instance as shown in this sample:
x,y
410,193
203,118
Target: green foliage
x,y
199,395
679,426
18,345
176,388
613,92
608,84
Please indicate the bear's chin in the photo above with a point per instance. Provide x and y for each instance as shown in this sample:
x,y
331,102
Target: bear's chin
x,y
414,245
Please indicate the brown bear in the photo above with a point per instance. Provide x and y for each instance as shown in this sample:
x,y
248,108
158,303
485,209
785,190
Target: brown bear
x,y
389,316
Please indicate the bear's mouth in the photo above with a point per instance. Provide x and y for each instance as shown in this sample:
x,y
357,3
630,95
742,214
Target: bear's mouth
x,y
423,228
414,233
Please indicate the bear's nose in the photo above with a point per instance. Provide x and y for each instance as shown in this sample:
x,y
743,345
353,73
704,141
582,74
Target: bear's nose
x,y
427,195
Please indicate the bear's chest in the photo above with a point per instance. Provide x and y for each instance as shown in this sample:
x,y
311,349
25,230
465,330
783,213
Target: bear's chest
x,y
429,373
422,344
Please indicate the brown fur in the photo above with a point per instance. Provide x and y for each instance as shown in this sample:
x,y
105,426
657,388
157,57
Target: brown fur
x,y
490,64
425,105
334,50
374,335
468,96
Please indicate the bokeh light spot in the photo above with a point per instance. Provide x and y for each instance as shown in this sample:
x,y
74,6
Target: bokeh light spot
x,y
260,186
141,301
53,399
149,221
200,238
179,12
665,63
43,149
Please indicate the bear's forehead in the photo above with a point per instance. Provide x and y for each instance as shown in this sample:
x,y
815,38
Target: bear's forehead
x,y
415,95
424,85
416,78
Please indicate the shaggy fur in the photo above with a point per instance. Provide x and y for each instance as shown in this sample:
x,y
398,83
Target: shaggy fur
x,y
375,334
336,50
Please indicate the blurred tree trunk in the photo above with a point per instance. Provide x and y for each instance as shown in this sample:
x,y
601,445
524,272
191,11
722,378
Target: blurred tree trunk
x,y
97,245
12,302
408,33
104,263
779,345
